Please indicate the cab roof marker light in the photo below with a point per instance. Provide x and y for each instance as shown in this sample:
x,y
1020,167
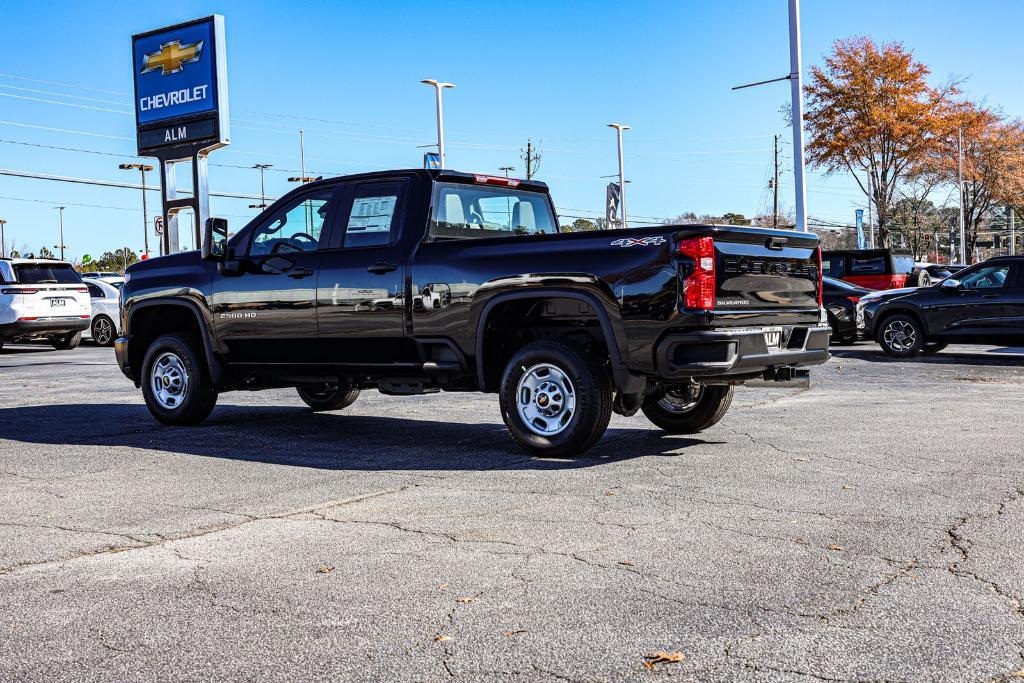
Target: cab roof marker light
x,y
496,180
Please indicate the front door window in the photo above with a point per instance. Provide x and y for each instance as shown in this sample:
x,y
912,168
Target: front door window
x,y
295,227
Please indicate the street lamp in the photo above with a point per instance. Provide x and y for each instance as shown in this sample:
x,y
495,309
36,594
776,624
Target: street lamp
x,y
622,175
145,219
263,194
61,245
438,87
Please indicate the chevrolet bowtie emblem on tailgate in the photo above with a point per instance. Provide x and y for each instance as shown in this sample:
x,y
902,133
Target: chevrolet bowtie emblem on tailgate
x,y
171,56
638,241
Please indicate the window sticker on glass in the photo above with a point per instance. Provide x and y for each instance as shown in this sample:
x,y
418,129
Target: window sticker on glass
x,y
372,214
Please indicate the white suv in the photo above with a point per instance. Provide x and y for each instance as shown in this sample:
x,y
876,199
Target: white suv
x,y
42,299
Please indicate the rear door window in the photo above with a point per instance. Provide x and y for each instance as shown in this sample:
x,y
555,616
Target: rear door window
x,y
373,217
46,273
834,266
867,265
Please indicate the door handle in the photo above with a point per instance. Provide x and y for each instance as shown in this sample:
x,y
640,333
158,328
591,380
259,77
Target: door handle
x,y
989,296
299,273
381,267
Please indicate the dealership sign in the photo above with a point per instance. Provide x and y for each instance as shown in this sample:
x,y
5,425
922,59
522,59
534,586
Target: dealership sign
x,y
181,86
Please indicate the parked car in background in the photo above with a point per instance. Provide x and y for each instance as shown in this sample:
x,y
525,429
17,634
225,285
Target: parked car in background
x,y
982,304
840,301
105,325
100,273
42,299
871,268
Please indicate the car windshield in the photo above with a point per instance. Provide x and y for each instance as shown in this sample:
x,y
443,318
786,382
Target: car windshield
x,y
475,211
46,273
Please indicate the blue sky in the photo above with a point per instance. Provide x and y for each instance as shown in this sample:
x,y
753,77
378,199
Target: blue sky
x,y
554,71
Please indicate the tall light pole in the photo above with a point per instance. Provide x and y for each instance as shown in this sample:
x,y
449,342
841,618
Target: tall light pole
x,y
142,168
3,239
960,191
302,162
797,91
263,194
438,87
61,245
622,174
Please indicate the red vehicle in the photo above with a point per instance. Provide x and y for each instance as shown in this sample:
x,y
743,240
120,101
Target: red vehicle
x,y
871,268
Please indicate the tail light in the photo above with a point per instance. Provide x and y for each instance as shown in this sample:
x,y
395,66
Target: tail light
x,y
699,288
821,281
854,299
495,180
19,290
29,318
83,290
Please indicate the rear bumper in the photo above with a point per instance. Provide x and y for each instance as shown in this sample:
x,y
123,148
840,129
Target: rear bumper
x,y
43,326
121,354
728,353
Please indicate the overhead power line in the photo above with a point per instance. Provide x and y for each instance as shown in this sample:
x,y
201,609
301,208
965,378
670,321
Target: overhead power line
x,y
116,183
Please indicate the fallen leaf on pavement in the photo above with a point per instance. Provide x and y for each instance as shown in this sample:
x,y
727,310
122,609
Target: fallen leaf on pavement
x,y
443,587
509,634
467,600
441,639
627,563
663,658
800,459
325,569
836,547
798,539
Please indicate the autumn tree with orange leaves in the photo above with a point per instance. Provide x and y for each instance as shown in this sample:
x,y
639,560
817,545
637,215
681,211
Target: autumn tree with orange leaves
x,y
993,151
872,113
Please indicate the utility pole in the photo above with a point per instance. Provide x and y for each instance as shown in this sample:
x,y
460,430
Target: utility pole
x,y
1013,236
960,189
61,210
622,174
438,87
142,168
871,213
263,194
3,242
531,158
775,186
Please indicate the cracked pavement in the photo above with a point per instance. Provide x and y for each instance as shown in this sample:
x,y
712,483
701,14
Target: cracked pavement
x,y
867,529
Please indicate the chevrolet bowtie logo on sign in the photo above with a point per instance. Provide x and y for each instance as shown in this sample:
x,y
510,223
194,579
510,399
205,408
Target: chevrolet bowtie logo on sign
x,y
171,57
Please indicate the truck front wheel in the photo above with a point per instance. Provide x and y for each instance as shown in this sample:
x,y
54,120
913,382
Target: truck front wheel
x,y
679,411
175,382
321,397
555,399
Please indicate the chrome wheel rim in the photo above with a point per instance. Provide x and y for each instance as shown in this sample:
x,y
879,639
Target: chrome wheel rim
x,y
900,335
546,399
676,401
102,331
169,380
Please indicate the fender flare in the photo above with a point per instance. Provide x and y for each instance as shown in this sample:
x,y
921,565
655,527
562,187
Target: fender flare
x,y
212,363
625,380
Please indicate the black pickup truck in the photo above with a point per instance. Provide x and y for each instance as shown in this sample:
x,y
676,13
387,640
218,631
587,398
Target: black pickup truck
x,y
415,281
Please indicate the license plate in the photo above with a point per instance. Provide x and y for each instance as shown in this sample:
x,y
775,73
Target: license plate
x,y
773,338
58,303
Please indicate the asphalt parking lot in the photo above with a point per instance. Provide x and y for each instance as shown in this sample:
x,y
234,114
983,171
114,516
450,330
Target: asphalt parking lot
x,y
868,528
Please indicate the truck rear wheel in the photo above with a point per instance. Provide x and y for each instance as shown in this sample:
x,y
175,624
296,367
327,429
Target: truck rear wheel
x,y
679,412
321,397
555,399
175,382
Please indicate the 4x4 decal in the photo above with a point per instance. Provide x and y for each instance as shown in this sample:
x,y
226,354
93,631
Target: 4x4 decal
x,y
638,241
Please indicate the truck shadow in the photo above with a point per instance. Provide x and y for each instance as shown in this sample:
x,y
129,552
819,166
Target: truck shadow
x,y
997,357
333,441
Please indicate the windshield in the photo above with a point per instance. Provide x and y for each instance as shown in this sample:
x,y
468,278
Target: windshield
x,y
475,211
46,273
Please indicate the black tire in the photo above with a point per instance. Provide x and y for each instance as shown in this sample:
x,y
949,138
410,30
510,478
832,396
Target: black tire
x,y
900,336
66,342
103,331
324,397
679,416
932,348
570,399
183,401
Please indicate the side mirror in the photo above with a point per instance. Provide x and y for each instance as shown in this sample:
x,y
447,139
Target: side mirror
x,y
950,286
215,239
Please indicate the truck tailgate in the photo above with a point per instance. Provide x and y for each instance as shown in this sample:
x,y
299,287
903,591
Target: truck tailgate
x,y
763,277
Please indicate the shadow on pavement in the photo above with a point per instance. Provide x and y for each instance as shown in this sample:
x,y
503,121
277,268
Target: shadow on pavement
x,y
299,438
982,356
